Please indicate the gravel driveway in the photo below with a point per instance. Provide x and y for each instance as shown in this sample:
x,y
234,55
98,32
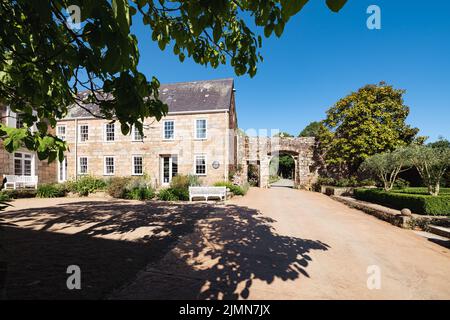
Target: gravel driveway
x,y
277,243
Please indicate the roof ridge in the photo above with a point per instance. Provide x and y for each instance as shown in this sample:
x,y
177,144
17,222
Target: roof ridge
x,y
196,81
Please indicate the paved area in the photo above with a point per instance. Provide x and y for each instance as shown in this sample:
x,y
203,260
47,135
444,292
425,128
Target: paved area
x,y
286,183
276,243
297,245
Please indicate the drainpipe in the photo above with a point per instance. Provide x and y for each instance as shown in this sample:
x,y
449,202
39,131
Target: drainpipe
x,y
76,149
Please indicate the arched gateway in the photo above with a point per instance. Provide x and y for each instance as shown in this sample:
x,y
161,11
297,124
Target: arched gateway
x,y
259,151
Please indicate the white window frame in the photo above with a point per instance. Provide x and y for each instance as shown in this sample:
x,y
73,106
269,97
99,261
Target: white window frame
x,y
79,133
104,166
105,132
61,136
134,131
22,163
133,168
79,165
164,130
195,164
196,127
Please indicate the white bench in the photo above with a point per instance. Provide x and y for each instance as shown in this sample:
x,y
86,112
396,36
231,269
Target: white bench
x,y
208,192
16,182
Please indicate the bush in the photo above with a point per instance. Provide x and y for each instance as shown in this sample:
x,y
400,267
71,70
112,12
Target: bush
x,y
417,203
20,193
136,188
421,190
117,187
141,193
368,183
4,196
236,190
184,181
401,183
50,190
86,185
180,194
167,195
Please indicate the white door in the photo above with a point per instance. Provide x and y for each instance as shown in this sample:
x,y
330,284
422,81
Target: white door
x,y
169,168
62,170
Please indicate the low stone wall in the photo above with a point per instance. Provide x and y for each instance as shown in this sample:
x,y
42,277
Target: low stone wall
x,y
336,191
394,216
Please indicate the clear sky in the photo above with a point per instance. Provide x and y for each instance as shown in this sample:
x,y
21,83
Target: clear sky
x,y
323,56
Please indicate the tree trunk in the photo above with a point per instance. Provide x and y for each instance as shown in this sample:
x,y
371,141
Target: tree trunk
x,y
434,190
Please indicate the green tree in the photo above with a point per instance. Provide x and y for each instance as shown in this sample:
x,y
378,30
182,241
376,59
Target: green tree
x,y
44,61
432,163
311,130
386,166
364,123
282,165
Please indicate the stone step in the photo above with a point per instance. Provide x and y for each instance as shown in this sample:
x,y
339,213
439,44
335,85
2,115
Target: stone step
x,y
440,231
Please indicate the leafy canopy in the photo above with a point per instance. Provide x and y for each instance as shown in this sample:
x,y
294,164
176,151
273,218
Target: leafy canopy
x,y
364,123
44,62
432,162
311,130
386,166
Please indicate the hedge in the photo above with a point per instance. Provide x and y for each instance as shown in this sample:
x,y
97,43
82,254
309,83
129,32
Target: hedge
x,y
417,203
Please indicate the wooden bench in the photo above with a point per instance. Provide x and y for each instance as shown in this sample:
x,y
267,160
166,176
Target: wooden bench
x,y
207,192
15,182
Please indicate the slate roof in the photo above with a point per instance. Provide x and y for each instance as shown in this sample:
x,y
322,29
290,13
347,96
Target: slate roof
x,y
194,96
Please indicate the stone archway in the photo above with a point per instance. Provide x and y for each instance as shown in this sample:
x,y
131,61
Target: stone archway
x,y
291,172
263,149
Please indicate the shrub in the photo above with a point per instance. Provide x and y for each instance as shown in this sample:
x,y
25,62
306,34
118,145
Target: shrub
x,y
417,203
236,190
86,185
50,190
421,190
367,183
117,187
167,195
401,183
180,193
20,193
184,181
141,193
4,196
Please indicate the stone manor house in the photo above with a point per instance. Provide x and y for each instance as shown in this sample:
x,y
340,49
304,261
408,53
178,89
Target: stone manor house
x,y
198,136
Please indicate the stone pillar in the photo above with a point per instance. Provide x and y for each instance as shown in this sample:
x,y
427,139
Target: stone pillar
x,y
297,172
264,172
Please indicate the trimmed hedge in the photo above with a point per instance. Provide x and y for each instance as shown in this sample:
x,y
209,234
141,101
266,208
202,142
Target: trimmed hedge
x,y
421,190
417,203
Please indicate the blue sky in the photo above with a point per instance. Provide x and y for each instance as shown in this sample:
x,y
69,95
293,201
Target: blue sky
x,y
322,56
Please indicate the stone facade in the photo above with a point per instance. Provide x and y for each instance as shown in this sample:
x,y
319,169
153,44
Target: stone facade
x,y
218,147
261,150
46,172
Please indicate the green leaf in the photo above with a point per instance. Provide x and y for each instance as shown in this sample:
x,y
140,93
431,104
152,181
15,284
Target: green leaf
x,y
122,14
336,5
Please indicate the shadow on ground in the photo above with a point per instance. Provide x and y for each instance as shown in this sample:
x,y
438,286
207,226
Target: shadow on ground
x,y
152,250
